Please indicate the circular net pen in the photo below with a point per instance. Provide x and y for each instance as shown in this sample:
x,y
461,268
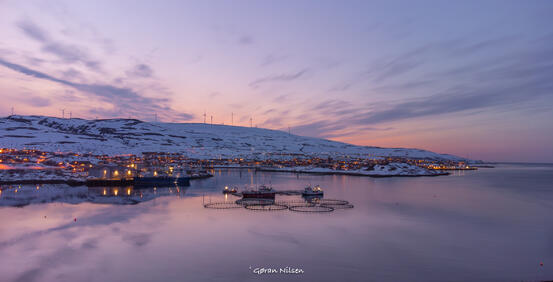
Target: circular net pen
x,y
336,206
266,207
246,202
295,203
317,206
331,202
222,205
312,208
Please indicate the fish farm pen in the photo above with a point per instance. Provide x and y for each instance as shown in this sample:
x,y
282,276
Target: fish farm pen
x,y
314,206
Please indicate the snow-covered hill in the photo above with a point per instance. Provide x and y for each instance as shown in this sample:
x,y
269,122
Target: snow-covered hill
x,y
130,136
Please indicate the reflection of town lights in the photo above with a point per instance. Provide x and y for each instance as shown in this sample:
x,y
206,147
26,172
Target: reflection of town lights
x,y
128,191
37,187
105,192
115,192
155,173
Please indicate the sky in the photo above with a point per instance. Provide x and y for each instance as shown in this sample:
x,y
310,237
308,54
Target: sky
x,y
470,78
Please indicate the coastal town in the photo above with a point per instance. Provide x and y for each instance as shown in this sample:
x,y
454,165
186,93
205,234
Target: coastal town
x,y
31,166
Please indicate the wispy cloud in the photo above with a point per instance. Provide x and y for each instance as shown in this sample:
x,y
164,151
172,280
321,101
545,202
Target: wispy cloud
x,y
278,78
504,82
332,128
246,40
33,31
67,53
123,99
36,101
140,70
272,59
394,67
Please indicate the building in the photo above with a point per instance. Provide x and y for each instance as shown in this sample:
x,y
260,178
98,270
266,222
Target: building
x,y
107,171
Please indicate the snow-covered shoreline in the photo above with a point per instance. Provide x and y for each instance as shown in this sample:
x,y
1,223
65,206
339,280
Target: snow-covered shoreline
x,y
389,170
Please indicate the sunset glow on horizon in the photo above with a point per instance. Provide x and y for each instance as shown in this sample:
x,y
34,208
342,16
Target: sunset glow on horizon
x,y
471,79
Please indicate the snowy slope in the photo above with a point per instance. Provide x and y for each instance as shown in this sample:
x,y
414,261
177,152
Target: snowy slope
x,y
124,136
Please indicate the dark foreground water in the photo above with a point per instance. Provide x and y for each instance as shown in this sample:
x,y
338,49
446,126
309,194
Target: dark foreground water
x,y
488,225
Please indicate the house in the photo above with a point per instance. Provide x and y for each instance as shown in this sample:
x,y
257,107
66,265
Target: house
x,y
108,171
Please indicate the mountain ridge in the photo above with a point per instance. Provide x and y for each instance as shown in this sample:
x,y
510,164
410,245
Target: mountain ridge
x,y
196,140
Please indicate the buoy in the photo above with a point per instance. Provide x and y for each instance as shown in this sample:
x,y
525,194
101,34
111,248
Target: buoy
x,y
75,219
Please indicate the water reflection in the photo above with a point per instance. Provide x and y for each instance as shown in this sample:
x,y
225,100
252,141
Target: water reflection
x,y
22,195
488,225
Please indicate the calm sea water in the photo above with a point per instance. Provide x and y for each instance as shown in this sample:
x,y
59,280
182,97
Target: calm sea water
x,y
486,225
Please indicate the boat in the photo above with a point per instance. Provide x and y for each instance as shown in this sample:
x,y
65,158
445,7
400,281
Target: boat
x,y
313,191
263,192
228,190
